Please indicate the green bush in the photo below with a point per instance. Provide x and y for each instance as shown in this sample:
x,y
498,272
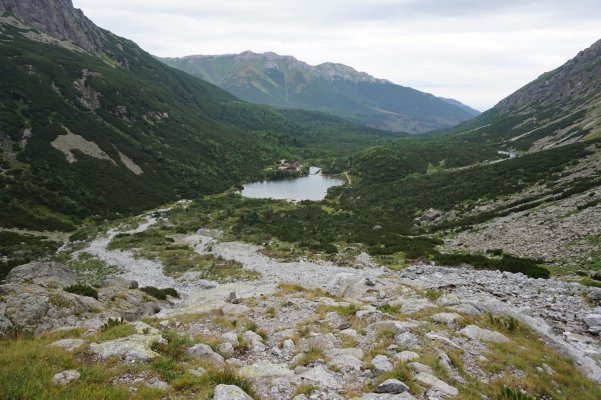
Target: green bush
x,y
160,294
83,290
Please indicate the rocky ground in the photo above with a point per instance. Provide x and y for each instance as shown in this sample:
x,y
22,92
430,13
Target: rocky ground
x,y
313,330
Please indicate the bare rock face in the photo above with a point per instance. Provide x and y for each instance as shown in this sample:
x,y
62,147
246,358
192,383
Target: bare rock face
x,y
59,19
46,274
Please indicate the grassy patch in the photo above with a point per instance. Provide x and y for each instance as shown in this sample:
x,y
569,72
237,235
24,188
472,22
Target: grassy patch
x,y
83,290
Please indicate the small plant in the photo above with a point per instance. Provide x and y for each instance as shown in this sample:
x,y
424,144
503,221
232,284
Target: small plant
x,y
160,294
83,290
510,394
305,389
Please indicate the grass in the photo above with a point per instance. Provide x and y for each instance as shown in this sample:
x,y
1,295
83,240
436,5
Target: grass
x,y
117,331
32,379
90,270
305,389
202,387
83,290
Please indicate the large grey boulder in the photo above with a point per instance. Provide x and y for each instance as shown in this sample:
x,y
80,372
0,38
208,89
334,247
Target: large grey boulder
x,y
322,377
381,364
204,352
477,333
45,273
230,392
436,384
132,349
592,320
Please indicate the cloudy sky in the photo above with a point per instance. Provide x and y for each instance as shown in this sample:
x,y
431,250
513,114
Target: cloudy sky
x,y
477,51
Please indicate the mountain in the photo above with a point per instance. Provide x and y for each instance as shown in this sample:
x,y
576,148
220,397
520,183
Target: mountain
x,y
469,109
284,81
562,106
90,124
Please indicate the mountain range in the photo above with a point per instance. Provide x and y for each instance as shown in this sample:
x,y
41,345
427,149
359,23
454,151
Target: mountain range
x,y
284,81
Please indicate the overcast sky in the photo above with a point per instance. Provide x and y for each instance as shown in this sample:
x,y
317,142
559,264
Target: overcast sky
x,y
476,51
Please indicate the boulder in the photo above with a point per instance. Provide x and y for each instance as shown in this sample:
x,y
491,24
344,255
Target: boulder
x,y
203,352
592,320
133,349
65,377
393,386
346,362
436,384
405,356
477,333
230,392
230,337
381,364
322,377
446,318
44,273
68,344
406,339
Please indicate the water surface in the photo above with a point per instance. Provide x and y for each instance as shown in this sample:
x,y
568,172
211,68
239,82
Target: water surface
x,y
312,187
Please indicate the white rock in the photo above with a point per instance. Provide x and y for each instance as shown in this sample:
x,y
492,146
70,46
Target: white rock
x,y
197,371
405,356
252,337
436,384
477,333
68,344
230,392
387,396
65,377
446,318
406,339
263,369
350,351
230,337
381,364
134,348
227,349
323,377
288,346
593,320
346,362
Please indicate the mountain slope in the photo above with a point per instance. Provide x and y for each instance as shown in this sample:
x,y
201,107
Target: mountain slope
x,y
114,130
560,107
284,81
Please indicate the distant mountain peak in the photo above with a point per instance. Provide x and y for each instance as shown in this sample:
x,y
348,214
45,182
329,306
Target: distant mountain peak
x,y
284,81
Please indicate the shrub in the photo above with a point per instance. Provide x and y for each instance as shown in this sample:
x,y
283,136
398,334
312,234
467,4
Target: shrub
x,y
160,294
83,290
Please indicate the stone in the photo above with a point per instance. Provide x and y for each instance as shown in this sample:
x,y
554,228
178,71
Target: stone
x,y
436,384
68,344
230,392
65,377
466,308
346,362
321,342
204,352
393,386
477,333
133,349
406,339
350,332
230,337
252,337
387,396
381,364
45,273
396,326
264,369
350,351
160,385
448,299
419,368
323,377
405,356
592,320
288,347
446,318
197,371
227,349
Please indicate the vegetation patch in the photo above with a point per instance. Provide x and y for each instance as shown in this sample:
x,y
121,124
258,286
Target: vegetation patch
x,y
83,290
160,294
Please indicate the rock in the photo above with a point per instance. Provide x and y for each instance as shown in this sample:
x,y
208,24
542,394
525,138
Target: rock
x,y
436,384
477,333
65,377
227,349
234,362
344,326
346,362
133,349
406,339
235,309
197,371
369,282
387,396
393,386
448,299
288,347
381,364
144,329
419,368
264,369
45,273
446,318
351,351
592,320
321,342
158,384
204,352
252,337
230,392
405,356
230,337
350,332
323,377
466,309
442,338
68,344
397,326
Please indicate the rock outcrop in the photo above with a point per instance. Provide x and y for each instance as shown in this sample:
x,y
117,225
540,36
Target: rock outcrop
x,y
59,19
